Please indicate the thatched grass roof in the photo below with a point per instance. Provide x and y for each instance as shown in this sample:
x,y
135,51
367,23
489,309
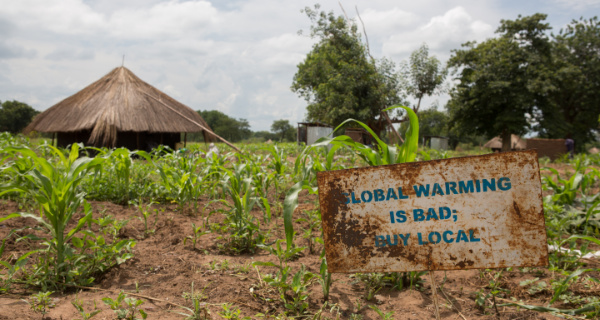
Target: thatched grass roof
x,y
516,143
119,101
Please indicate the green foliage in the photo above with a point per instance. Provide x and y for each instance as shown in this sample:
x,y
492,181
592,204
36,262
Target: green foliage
x,y
230,311
281,128
54,186
146,213
125,307
231,129
306,167
294,294
501,79
384,316
572,107
55,192
423,75
198,310
196,233
41,301
78,304
15,116
339,80
243,227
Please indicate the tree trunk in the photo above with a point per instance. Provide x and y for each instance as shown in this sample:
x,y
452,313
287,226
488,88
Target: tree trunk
x,y
506,140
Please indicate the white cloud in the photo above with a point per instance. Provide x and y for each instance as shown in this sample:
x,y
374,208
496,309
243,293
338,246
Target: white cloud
x,y
578,4
380,23
441,33
235,56
169,19
63,17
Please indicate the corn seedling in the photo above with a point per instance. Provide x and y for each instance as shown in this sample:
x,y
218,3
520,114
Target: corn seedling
x,y
196,233
146,213
381,155
55,191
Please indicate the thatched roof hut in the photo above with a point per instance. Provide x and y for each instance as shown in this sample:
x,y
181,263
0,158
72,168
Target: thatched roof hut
x,y
120,110
516,143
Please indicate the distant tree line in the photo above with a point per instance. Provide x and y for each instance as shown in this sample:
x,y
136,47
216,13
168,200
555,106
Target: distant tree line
x,y
237,130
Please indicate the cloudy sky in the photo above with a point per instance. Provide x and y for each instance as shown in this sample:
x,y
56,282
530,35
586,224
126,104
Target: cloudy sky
x,y
235,56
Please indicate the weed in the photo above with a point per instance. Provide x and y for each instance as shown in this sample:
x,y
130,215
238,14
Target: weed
x,y
384,316
198,310
146,213
196,233
40,302
230,311
125,307
78,304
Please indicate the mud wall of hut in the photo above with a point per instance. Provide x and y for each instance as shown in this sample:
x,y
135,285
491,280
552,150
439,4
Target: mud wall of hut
x,y
551,148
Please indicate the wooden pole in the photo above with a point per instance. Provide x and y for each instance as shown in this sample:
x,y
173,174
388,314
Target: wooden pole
x,y
392,126
435,297
194,122
53,136
184,139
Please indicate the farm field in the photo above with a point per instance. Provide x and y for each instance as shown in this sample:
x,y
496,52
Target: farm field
x,y
179,236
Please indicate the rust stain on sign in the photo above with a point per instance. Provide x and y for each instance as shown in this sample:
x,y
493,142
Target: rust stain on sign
x,y
461,213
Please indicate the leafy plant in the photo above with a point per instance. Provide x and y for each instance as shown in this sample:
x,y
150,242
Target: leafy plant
x,y
55,190
325,278
78,304
198,310
196,233
382,154
294,295
6,280
231,312
145,211
125,307
41,301
243,227
384,316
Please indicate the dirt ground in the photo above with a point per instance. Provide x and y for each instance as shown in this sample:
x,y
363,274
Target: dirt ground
x,y
163,269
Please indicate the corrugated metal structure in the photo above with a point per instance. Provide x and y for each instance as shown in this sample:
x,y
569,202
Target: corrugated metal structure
x,y
436,142
309,132
460,213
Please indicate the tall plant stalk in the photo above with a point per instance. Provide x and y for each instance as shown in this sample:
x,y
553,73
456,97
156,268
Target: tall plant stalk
x,y
55,190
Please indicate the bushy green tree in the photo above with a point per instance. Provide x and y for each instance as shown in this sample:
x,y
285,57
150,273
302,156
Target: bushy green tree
x,y
15,116
573,106
281,128
422,75
502,81
339,79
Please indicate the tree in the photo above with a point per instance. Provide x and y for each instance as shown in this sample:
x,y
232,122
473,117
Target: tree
x,y
229,128
281,128
573,105
339,80
503,81
423,74
15,116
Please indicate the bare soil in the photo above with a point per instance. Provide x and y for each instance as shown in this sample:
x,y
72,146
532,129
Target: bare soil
x,y
164,268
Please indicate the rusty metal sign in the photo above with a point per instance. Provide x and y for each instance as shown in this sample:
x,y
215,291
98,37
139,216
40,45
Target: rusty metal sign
x,y
461,213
